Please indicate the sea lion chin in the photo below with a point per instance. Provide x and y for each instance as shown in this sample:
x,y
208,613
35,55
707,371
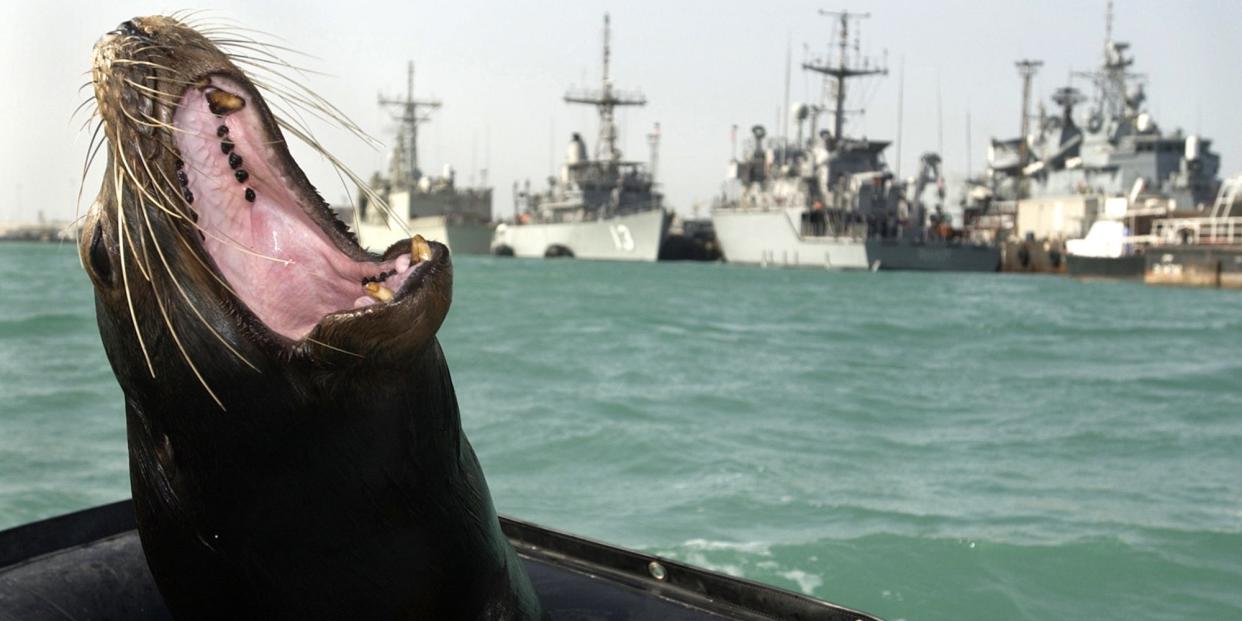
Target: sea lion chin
x,y
295,443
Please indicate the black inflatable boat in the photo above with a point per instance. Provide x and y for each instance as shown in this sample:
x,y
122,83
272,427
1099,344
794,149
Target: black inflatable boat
x,y
89,565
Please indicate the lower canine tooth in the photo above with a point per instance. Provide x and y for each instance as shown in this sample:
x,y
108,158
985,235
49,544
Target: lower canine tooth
x,y
378,291
419,249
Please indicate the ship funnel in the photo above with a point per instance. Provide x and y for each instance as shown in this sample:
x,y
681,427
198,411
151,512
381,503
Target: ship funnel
x,y
577,150
758,132
1192,148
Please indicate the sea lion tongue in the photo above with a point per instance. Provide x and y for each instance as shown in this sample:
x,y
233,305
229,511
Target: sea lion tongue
x,y
295,445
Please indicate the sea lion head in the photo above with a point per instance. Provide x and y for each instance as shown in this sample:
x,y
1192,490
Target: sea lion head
x,y
295,443
204,222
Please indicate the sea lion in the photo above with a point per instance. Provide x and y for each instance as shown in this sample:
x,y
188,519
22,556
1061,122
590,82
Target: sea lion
x,y
295,444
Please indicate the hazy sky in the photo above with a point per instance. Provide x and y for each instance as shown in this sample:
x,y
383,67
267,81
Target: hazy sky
x,y
501,68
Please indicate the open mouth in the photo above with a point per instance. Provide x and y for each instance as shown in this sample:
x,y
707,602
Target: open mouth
x,y
271,237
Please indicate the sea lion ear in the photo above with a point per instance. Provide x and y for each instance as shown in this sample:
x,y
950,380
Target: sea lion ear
x,y
97,261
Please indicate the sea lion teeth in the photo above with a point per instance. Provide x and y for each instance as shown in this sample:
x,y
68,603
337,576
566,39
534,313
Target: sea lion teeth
x,y
223,102
378,291
419,248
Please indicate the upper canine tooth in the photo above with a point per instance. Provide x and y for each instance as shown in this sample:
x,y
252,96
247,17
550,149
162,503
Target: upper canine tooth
x,y
378,291
419,248
223,102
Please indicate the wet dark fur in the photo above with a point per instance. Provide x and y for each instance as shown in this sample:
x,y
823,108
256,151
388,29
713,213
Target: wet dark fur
x,y
333,482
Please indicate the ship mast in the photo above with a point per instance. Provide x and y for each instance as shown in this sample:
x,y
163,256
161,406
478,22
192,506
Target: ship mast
x,y
410,113
842,70
1111,78
605,100
1027,69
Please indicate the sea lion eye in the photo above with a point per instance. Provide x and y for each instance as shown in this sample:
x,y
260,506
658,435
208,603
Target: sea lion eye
x,y
100,263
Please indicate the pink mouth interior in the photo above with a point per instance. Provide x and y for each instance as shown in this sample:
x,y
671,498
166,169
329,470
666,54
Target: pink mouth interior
x,y
280,263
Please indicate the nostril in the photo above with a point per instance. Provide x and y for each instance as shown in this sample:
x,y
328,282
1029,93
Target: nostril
x,y
128,27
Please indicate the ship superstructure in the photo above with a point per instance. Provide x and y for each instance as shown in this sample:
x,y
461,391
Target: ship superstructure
x,y
436,207
1106,159
599,206
823,198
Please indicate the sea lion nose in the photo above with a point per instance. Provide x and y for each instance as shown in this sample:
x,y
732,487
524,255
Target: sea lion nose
x,y
128,28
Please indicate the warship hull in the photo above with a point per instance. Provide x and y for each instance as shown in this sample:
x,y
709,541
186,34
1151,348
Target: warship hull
x,y
931,256
631,237
1106,268
460,237
772,237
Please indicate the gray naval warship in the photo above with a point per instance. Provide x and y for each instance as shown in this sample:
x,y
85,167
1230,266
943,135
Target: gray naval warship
x,y
435,207
602,207
1108,163
828,200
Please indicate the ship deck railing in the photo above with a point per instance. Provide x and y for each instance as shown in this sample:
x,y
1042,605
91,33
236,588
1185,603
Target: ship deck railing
x,y
1214,231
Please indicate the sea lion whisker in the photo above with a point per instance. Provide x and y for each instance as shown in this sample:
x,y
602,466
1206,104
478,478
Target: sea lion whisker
x,y
141,258
312,106
208,268
185,296
94,112
273,67
186,16
170,200
92,150
94,116
144,264
162,96
335,348
129,300
87,104
159,302
358,181
236,28
314,101
158,124
194,253
138,186
133,62
262,48
222,238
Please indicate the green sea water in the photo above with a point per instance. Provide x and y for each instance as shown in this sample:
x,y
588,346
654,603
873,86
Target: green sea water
x,y
919,446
